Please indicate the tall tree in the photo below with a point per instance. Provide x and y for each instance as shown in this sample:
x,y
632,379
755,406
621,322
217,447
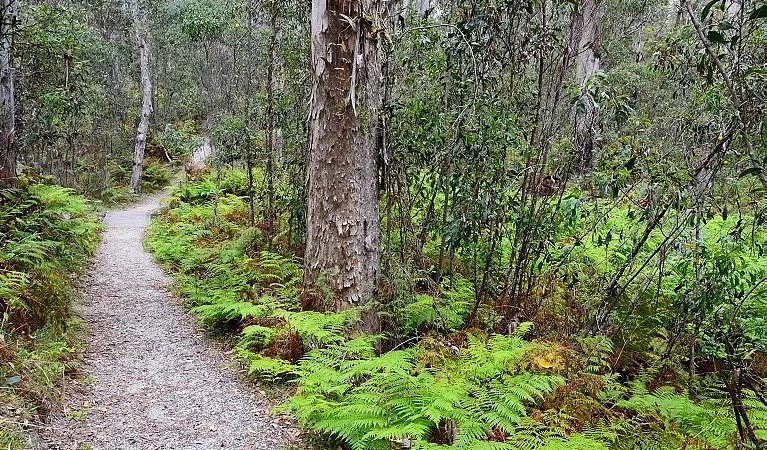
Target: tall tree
x,y
588,22
343,229
140,26
271,214
7,100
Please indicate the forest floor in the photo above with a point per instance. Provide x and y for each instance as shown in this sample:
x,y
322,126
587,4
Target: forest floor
x,y
150,378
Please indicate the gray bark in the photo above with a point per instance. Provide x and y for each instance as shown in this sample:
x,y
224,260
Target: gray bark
x,y
423,9
142,132
7,100
343,229
271,213
589,19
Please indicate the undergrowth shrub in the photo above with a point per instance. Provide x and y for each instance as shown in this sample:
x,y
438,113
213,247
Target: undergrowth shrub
x,y
179,140
445,311
157,175
47,235
369,401
447,382
709,423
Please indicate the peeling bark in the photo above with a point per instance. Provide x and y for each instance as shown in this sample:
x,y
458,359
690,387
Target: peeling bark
x,y
343,229
142,132
7,99
589,18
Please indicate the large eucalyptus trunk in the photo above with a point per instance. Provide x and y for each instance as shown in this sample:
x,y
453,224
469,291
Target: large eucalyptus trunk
x,y
142,132
343,229
7,103
589,21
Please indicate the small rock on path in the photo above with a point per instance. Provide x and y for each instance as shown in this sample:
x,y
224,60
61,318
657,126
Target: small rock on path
x,y
152,382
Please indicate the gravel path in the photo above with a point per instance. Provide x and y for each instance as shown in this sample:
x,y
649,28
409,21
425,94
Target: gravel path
x,y
152,381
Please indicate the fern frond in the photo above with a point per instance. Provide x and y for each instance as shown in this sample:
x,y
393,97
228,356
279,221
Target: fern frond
x,y
574,442
317,328
265,366
224,311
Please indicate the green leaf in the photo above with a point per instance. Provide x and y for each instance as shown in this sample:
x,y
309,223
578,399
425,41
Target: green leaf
x,y
716,37
707,9
725,25
750,171
758,13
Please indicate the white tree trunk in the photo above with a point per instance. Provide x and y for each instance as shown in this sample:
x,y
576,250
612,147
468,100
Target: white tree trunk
x,y
7,100
140,23
590,20
343,229
423,8
271,212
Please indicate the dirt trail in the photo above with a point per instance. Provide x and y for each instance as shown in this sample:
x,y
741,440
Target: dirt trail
x,y
152,381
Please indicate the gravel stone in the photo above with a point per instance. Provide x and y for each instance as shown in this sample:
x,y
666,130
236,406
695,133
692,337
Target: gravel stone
x,y
151,379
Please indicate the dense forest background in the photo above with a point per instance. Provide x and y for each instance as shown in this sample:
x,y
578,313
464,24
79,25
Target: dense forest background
x,y
479,224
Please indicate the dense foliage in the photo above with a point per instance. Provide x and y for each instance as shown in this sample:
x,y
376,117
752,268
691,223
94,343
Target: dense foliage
x,y
638,259
444,385
75,90
573,207
47,235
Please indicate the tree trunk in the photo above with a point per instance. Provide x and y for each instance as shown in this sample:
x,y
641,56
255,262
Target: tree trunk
x,y
343,229
140,23
7,103
422,8
248,140
589,20
271,214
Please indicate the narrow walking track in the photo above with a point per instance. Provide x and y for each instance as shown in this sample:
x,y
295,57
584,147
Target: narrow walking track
x,y
151,381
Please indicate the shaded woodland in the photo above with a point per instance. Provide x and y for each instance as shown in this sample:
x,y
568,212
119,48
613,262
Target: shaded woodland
x,y
480,224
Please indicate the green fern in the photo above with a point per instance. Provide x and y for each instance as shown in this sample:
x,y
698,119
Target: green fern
x,y
573,442
445,312
711,422
596,350
226,311
469,392
757,414
370,400
47,236
256,336
265,366
317,328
